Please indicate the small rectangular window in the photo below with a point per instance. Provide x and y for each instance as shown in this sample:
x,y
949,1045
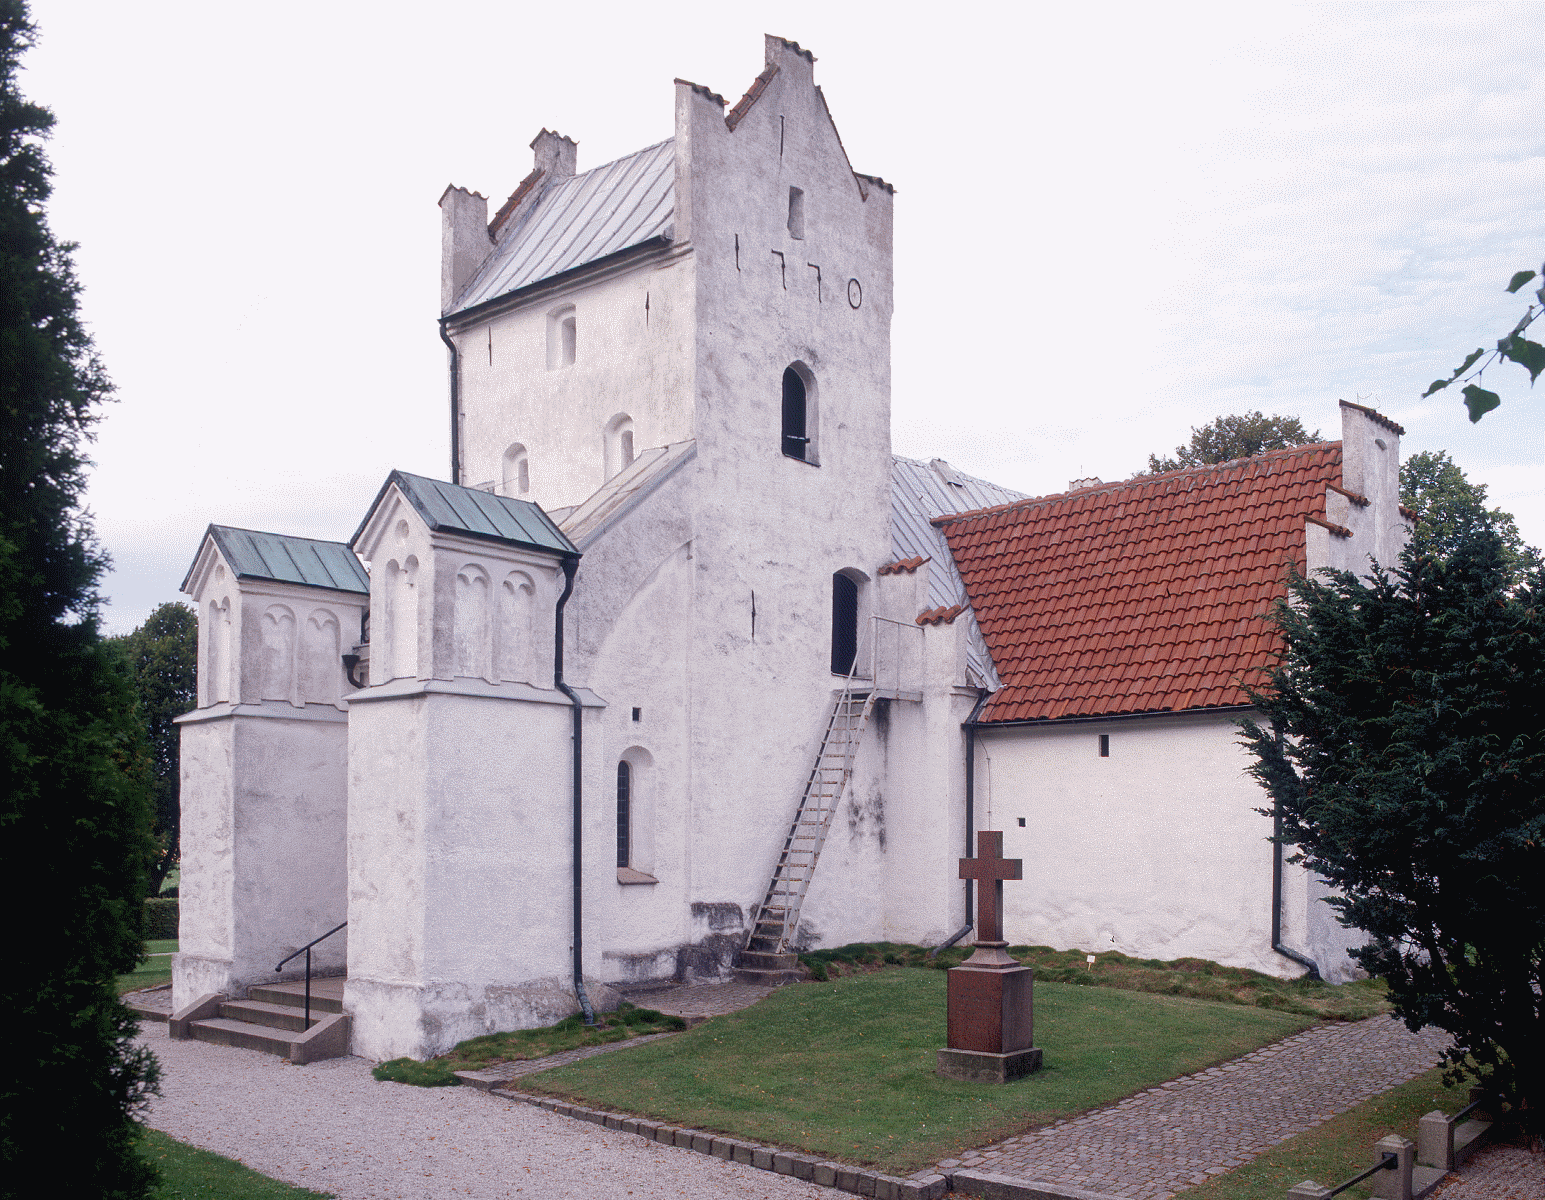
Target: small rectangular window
x,y
1104,745
796,213
638,714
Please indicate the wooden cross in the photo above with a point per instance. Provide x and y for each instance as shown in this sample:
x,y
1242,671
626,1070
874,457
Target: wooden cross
x,y
990,867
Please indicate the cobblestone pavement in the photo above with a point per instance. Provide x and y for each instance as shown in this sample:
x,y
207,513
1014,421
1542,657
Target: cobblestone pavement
x,y
1162,1141
1497,1173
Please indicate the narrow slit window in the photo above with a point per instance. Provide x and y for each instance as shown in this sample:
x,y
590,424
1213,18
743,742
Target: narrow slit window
x,y
624,816
1104,745
796,443
796,213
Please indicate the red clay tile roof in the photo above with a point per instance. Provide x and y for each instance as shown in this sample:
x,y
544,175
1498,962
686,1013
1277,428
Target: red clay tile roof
x,y
906,565
933,616
753,94
1149,595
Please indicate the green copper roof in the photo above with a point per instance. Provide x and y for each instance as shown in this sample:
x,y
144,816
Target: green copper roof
x,y
255,555
451,508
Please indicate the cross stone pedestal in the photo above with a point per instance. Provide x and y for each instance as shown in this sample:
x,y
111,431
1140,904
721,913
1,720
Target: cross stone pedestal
x,y
991,1006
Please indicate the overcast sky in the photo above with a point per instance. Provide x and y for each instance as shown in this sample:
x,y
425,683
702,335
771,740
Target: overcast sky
x,y
1113,223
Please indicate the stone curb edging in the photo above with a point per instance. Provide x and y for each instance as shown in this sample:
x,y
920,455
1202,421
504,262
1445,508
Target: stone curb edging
x,y
807,1167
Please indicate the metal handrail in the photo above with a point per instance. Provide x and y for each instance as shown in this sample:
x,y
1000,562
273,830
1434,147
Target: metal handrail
x,y
306,950
1388,1163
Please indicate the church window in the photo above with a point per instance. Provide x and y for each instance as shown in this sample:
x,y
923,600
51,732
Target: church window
x,y
516,477
844,624
1104,745
617,444
561,337
624,822
638,714
796,213
799,423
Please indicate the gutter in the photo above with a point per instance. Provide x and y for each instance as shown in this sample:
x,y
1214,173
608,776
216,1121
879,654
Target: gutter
x,y
970,726
1276,891
570,565
456,414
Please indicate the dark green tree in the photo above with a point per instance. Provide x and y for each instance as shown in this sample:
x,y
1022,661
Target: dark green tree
x,y
1511,347
74,768
162,656
1404,746
1233,437
1448,506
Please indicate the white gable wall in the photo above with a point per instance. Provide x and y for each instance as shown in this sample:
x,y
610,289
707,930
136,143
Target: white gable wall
x,y
633,356
263,786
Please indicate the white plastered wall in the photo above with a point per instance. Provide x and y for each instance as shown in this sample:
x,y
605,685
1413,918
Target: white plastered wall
x,y
1156,851
263,782
633,328
459,845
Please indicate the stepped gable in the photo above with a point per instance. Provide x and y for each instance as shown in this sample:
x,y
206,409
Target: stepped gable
x,y
1149,595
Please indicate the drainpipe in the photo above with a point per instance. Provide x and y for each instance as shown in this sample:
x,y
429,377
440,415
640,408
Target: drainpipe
x,y
1276,889
970,728
455,405
570,565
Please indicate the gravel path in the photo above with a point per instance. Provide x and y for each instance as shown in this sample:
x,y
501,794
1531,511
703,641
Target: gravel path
x,y
1179,1134
331,1127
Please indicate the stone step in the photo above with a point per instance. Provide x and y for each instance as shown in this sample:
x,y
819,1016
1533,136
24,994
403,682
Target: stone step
x,y
222,1031
1425,1180
766,961
326,995
271,1016
761,978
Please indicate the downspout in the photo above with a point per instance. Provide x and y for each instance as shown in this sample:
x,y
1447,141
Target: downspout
x,y
970,728
1276,889
456,418
570,565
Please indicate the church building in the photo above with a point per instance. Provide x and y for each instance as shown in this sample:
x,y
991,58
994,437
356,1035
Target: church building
x,y
682,670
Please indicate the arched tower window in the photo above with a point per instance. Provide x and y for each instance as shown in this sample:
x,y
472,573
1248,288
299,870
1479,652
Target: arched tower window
x,y
624,814
516,480
561,337
844,624
799,423
617,444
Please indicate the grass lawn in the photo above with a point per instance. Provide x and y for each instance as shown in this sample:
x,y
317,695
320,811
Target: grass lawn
x,y
188,1173
845,1068
1194,977
1339,1148
152,972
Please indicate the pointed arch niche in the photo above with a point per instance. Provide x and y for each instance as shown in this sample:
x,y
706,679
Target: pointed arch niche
x,y
516,629
473,624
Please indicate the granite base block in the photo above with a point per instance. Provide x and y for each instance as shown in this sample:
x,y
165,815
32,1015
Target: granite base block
x,y
974,1066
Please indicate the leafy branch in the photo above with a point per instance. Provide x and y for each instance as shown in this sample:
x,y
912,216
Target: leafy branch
x,y
1514,347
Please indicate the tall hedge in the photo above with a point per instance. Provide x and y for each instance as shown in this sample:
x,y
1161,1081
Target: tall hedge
x,y
74,766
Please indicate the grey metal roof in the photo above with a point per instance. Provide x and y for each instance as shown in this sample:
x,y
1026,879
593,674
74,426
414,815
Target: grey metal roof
x,y
284,559
587,520
451,508
579,219
920,491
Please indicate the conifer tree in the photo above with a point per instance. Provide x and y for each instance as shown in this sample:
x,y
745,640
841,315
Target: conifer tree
x,y
74,769
1405,751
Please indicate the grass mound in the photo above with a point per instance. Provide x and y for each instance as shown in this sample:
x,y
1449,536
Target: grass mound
x,y
1193,977
629,1021
845,1069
